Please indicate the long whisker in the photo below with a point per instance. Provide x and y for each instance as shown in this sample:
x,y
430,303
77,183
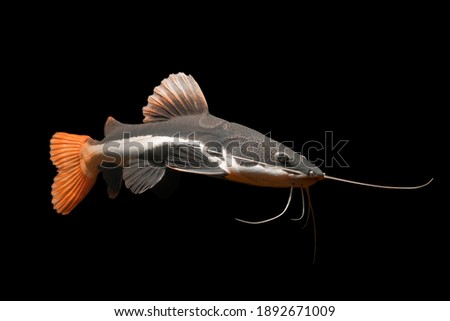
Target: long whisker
x,y
314,224
308,215
377,186
273,218
303,206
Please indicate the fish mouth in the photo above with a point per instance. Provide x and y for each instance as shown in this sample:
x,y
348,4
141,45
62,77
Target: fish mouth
x,y
303,180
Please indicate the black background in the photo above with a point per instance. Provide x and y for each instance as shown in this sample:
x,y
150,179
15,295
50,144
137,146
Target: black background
x,y
373,82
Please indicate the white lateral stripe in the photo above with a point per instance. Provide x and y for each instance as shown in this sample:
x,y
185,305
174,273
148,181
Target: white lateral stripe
x,y
131,148
154,141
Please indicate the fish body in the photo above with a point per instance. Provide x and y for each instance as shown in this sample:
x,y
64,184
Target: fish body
x,y
178,133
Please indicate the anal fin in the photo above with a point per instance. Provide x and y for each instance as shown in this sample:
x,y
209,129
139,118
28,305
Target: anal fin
x,y
112,174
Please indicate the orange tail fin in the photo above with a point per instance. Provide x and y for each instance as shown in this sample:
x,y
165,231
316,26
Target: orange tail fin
x,y
76,171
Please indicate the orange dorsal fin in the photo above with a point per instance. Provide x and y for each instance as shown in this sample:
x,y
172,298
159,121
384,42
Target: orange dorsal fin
x,y
178,95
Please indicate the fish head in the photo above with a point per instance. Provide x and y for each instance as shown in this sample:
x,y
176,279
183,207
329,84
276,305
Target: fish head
x,y
257,159
300,171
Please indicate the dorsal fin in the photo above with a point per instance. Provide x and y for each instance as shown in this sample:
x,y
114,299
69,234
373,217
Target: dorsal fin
x,y
111,124
178,95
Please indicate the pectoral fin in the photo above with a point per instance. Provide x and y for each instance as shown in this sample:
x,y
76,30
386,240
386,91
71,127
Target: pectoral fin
x,y
192,159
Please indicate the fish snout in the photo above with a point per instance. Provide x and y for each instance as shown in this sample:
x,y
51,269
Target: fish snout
x,y
303,180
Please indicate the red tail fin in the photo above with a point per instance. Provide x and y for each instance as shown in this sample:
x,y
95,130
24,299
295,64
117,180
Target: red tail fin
x,y
76,175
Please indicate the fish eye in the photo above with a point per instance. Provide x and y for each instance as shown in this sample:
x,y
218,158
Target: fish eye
x,y
310,173
282,157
